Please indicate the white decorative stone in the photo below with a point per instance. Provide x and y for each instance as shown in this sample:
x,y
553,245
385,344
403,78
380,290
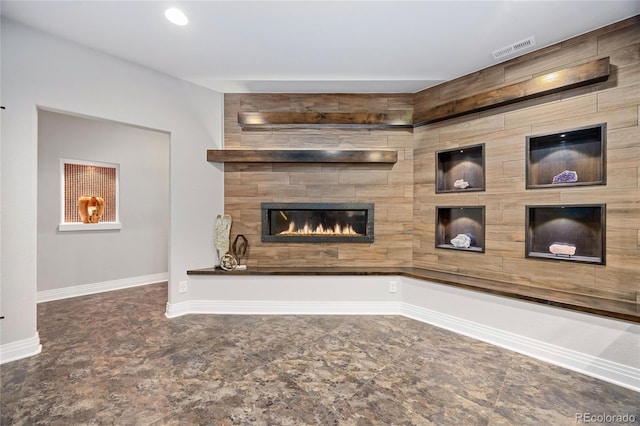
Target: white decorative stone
x,y
461,241
460,184
223,229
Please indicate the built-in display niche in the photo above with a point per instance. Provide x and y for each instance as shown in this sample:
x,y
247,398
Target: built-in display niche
x,y
569,158
566,232
89,195
460,169
317,222
460,228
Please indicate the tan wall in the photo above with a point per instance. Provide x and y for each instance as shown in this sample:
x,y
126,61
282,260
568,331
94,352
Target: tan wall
x,y
389,187
503,130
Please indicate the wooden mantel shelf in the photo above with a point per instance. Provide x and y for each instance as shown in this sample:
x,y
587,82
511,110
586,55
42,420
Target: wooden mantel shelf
x,y
570,78
310,120
300,156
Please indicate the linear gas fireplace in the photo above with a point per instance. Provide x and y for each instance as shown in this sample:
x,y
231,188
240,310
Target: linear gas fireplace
x,y
317,222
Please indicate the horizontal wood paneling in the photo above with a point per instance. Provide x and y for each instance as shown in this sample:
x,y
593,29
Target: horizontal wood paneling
x,y
503,131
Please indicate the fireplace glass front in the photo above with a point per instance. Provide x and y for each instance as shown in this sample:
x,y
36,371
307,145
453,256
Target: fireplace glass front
x,y
317,222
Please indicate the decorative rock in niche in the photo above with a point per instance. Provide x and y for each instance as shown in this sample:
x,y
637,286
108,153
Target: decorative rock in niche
x,y
461,241
460,169
559,158
565,249
567,176
460,184
90,208
556,231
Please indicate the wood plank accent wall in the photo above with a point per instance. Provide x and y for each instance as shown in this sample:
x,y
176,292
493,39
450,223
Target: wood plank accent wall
x,y
404,192
503,131
389,186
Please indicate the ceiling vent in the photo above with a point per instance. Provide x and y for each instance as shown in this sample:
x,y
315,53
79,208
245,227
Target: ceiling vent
x,y
515,47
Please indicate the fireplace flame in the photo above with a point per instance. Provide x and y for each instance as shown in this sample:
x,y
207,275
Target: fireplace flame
x,y
307,229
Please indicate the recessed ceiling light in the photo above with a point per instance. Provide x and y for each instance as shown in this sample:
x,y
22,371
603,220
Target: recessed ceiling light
x,y
176,16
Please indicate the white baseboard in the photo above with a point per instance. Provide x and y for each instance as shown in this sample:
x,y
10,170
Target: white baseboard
x,y
174,310
20,349
86,289
622,375
244,307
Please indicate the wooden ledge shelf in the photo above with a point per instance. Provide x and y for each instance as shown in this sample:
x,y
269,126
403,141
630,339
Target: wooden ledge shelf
x,y
621,310
566,79
300,156
569,78
309,120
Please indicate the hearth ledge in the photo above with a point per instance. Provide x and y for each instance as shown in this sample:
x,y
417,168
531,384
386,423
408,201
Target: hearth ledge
x,y
627,311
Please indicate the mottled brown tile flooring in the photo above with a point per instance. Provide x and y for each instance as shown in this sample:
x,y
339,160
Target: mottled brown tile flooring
x,y
114,358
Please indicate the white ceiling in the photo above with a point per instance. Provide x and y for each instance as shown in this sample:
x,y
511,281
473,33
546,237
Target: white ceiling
x,y
353,46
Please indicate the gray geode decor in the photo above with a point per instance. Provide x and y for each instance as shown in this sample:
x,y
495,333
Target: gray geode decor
x,y
567,176
461,241
460,184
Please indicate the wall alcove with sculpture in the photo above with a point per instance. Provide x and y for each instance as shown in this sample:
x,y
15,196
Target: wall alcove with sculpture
x,y
460,228
574,233
570,158
460,169
89,195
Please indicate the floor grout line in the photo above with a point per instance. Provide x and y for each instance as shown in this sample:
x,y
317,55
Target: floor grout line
x,y
502,387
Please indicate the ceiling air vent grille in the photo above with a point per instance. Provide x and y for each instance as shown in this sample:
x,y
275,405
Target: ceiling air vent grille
x,y
515,47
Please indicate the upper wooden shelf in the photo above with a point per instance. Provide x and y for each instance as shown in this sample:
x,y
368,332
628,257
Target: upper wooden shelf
x,y
566,79
300,156
557,81
353,120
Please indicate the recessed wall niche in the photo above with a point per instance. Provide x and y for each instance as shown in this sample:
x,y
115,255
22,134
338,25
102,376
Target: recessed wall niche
x,y
85,181
566,232
569,158
460,169
460,228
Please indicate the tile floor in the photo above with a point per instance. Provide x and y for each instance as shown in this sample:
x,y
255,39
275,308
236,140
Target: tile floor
x,y
115,359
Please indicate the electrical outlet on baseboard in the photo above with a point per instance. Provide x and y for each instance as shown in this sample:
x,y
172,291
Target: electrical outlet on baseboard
x,y
393,286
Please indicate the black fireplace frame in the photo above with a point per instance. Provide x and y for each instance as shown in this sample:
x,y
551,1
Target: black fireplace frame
x,y
266,226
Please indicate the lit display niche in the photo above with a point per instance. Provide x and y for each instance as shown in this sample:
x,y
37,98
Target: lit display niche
x,y
89,195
